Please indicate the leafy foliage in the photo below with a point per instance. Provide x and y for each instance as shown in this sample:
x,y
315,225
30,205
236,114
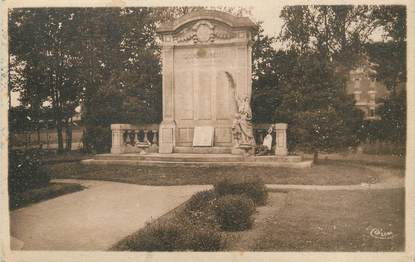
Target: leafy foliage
x,y
314,102
205,240
254,188
97,139
234,212
44,51
330,30
389,61
199,200
26,171
174,237
160,237
393,115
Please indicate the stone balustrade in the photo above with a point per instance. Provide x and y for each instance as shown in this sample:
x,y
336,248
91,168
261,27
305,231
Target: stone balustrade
x,y
127,138
143,138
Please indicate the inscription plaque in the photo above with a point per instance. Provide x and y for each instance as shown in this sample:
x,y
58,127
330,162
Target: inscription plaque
x,y
203,136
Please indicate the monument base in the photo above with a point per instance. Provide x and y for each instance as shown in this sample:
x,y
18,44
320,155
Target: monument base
x,y
245,150
167,137
198,160
202,150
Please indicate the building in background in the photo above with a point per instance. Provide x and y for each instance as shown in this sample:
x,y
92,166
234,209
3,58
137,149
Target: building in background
x,y
368,93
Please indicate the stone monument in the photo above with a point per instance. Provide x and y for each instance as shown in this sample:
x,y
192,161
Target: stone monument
x,y
206,67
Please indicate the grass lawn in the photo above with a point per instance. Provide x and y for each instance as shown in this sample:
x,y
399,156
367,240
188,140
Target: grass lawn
x,y
332,173
304,221
327,221
53,190
51,157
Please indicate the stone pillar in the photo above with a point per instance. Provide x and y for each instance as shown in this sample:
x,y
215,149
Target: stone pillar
x,y
117,146
167,127
281,139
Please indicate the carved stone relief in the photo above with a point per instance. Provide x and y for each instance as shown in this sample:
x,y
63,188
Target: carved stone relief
x,y
203,32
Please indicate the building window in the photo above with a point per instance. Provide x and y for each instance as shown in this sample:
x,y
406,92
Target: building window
x,y
371,112
357,95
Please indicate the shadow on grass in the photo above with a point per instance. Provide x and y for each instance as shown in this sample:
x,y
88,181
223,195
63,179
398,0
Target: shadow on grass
x,y
53,190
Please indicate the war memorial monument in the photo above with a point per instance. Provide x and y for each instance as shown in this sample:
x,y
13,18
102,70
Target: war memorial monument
x,y
207,88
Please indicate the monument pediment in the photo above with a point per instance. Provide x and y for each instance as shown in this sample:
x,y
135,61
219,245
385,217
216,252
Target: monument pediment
x,y
206,26
203,31
213,15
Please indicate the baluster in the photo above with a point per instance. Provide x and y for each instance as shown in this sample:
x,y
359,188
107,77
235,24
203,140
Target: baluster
x,y
124,137
136,139
261,136
145,137
127,137
155,140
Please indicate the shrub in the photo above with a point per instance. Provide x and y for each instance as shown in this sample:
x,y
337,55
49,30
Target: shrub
x,y
234,212
205,240
253,188
97,139
200,200
26,171
158,237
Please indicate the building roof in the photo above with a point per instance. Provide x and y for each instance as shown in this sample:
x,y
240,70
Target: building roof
x,y
232,21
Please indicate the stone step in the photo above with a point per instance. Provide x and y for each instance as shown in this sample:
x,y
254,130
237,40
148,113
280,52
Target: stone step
x,y
286,164
172,157
203,150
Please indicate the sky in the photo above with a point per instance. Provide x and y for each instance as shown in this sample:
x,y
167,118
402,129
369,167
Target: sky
x,y
270,15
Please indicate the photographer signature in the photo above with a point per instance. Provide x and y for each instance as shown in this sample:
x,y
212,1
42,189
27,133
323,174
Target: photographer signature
x,y
379,233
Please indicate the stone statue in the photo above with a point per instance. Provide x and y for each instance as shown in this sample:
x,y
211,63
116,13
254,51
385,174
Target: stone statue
x,y
265,148
268,139
242,125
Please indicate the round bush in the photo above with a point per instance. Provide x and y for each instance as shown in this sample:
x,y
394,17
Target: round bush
x,y
160,237
234,212
198,201
254,188
205,240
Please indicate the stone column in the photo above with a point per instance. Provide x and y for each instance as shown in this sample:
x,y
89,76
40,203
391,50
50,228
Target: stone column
x,y
168,125
281,139
117,146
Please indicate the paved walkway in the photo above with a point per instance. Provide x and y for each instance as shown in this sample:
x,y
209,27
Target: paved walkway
x,y
95,218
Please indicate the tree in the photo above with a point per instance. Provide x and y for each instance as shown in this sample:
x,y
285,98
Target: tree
x,y
336,32
124,84
329,41
43,43
321,116
389,61
264,98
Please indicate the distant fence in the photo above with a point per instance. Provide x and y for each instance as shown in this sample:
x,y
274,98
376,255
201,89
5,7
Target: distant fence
x,y
48,139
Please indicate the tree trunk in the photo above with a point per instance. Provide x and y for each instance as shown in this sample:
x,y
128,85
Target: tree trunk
x,y
38,136
315,157
69,134
60,137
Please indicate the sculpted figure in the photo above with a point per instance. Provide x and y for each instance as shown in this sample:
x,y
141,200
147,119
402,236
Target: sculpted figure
x,y
242,125
236,129
265,148
268,139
